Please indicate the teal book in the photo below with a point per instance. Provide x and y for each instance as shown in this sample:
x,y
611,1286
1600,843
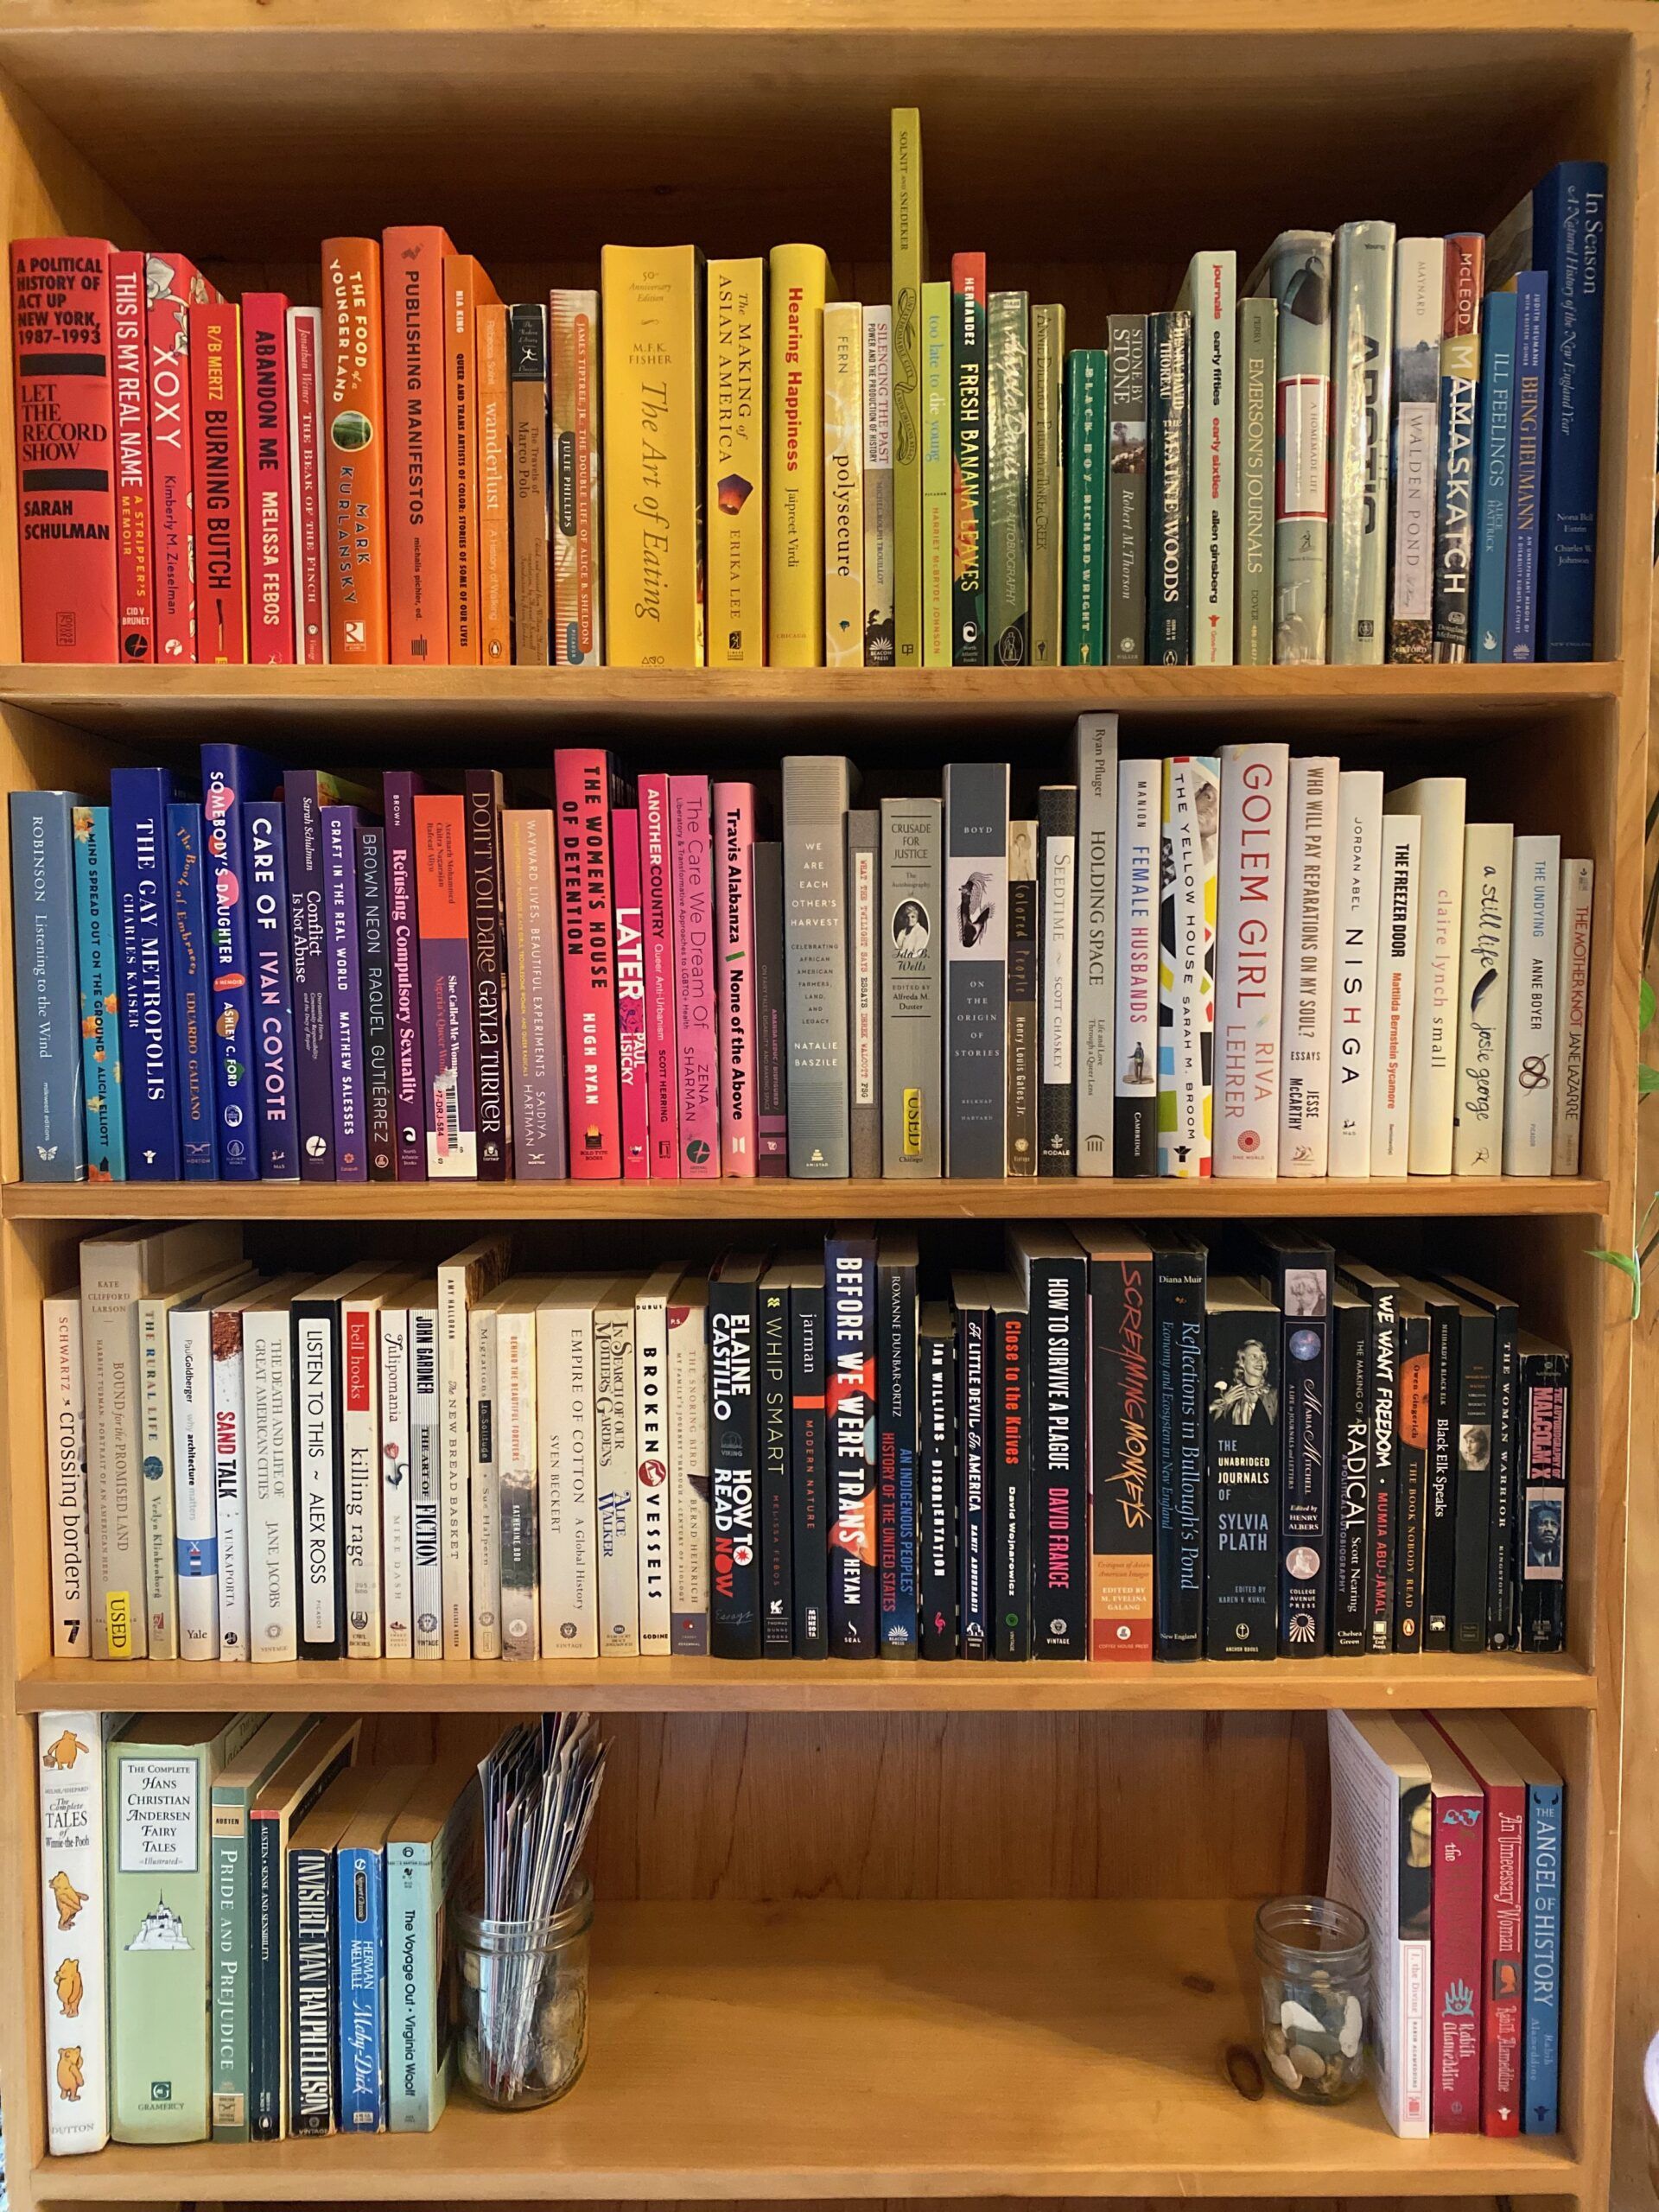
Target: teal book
x,y
233,1792
431,1848
100,1019
1085,507
51,1131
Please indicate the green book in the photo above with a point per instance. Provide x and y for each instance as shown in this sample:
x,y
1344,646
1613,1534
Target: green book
x,y
431,1848
1085,506
233,1794
938,583
967,369
909,266
157,1817
1007,481
1047,483
1252,531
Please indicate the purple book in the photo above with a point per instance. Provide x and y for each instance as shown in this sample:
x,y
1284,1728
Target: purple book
x,y
272,983
403,942
344,960
231,777
304,794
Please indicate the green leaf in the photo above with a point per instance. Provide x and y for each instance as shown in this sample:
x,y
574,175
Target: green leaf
x,y
1646,1003
1647,1080
1627,1265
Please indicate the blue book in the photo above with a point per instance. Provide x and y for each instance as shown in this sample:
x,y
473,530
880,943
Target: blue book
x,y
1492,490
360,1946
140,866
344,960
271,983
100,1016
232,775
193,994
1541,2035
1526,467
52,1133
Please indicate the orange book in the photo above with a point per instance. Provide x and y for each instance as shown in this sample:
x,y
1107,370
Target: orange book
x,y
417,464
354,449
466,288
494,491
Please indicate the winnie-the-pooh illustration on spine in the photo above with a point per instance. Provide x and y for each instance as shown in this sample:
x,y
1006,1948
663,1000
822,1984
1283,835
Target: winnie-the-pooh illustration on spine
x,y
70,1750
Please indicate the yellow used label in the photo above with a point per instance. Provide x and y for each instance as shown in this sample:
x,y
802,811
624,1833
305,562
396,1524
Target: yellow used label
x,y
118,1625
912,1147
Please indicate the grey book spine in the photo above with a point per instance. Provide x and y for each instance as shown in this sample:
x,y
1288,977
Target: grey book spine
x,y
52,1133
1023,974
1009,481
816,794
1126,492
1057,888
1047,483
976,966
910,943
1297,274
1253,530
1362,381
864,988
1095,765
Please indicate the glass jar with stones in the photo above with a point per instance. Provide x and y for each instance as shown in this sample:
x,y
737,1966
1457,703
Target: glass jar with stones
x,y
524,2001
1315,1956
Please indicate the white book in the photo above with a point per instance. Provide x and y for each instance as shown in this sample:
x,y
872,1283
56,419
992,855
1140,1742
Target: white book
x,y
397,1561
230,1496
517,1462
74,1963
569,1527
1419,307
1379,1787
1211,296
471,1274
1529,1112
1094,767
878,488
654,1456
616,1481
268,1402
1250,957
425,1473
314,317
485,1497
65,1489
361,1480
1572,1011
1353,1005
1186,993
195,1513
1396,994
1057,976
1140,844
1482,999
1361,385
1310,869
1439,801
687,1461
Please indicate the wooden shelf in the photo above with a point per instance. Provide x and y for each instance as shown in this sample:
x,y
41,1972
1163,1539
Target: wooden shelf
x,y
1517,1682
876,2050
1047,1198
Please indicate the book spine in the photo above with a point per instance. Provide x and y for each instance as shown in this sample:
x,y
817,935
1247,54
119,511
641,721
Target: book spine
x,y
318,1477
1440,1499
911,923
1300,282
1504,1960
172,284
494,487
734,844
1057,872
360,1479
1411,1449
794,459
1385,1541
229,782
140,855
735,448
425,1484
1439,909
374,952
656,897
1249,958
67,490
230,1482
403,945
843,486
1482,999
353,417
968,293
1047,501
586,903
573,393
268,1395
266,2081
850,1320
361,1940
1396,994
939,553
1501,1612
344,955
1569,215
1058,1430
878,488
135,552
1357,852
809,1471
269,551
1529,1112
161,1561
193,1032
532,571
568,1531
773,1519
1177,1355
52,1123
1541,2084
631,1043
1545,1379
1122,1577
1304,1295
1489,587
1135,1109
1211,296
1241,1486
936,1488
305,483
311,1991
1473,1515
1418,287
908,264
1169,489
73,1944
396,1562
695,1012
616,1489
1526,465
1460,1823
976,967
450,1109
771,1012
307,951
66,1495
1351,1476
486,926
974,1384
653,1461
1362,365
1186,996
895,1456
1572,1012
690,1548
1460,386
1010,1461
864,989
100,1012
1024,998
1313,866
1127,490
815,966
1096,764
481,1574
734,1627
1083,630
1254,532
1007,481
221,554
418,494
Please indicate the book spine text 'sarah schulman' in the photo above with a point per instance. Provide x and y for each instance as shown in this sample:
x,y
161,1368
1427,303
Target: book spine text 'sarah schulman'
x,y
816,794
695,987
353,423
1250,955
582,789
878,487
135,552
418,494
794,459
1253,537
843,486
652,426
734,499
268,490
221,548
573,401
1361,373
967,457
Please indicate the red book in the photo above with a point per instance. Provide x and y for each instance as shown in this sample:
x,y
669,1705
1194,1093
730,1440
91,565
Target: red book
x,y
734,843
631,995
221,549
134,559
173,287
66,488
657,895
417,494
305,485
582,779
1458,1847
697,1026
269,487
1501,2083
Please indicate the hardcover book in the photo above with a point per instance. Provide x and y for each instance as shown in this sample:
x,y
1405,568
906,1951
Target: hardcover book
x,y
1396,992
967,292
734,1456
1529,1112
816,794
911,929
630,951
1312,863
583,782
1047,484
1094,766
908,262
1458,1831
135,552
697,987
935,1482
809,1461
734,845
51,1072
1254,442
1459,385
1007,481
1053,1274
1439,801
658,902
173,286
1489,582
938,576
1242,1489
1210,295
977,948
1296,273
771,1011
1298,1272
1249,958
1420,266
878,488
1056,887
1483,1000
1127,490
1362,391
532,568
418,492
1186,996
736,454
1024,987
652,464
1083,636
100,1010
843,486
1123,1443
268,490
73,1750
1169,489
850,1322
895,1318
353,422
1357,850
1572,1015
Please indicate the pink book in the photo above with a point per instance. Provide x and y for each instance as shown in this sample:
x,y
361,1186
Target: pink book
x,y
305,484
657,893
630,994
583,778
1457,1843
173,286
1505,1889
733,841
135,552
697,1029
269,491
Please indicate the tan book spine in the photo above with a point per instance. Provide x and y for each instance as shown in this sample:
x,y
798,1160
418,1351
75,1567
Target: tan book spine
x,y
532,634
573,362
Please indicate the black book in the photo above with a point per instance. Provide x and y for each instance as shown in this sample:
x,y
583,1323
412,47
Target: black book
x,y
771,1036
1121,1412
849,1305
1053,1273
1300,1272
1352,1445
319,1459
1242,1527
1502,1623
1010,1469
809,1462
777,1601
311,1977
896,1261
971,1296
1441,1310
935,1481
374,944
1411,1428
1180,1264
1056,892
1025,994
1546,1386
733,1453
1169,488
1473,1517
1383,1533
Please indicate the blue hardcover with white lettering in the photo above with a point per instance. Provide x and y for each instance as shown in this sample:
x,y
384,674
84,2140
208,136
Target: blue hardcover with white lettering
x,y
231,776
1569,244
1542,2010
100,1017
1492,489
271,988
360,1923
193,994
1527,466
140,862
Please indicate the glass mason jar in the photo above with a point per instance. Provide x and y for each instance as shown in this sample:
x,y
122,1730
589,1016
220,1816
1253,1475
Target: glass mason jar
x,y
1315,1956
524,2002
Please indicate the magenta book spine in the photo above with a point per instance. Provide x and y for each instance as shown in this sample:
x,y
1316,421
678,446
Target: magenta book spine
x,y
734,843
697,1030
630,994
657,899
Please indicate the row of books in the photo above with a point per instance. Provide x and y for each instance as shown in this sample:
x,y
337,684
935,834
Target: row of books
x,y
1447,1833
1361,459
243,1930
1109,1448
1237,965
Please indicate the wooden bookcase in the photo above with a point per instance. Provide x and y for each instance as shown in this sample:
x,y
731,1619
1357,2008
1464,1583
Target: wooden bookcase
x,y
881,1931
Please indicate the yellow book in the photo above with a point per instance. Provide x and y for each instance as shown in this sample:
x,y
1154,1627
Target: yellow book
x,y
737,448
800,281
938,543
649,304
494,491
843,487
909,267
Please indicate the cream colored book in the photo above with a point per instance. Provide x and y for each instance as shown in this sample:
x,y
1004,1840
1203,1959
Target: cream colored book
x,y
1396,994
735,457
654,1456
1572,1011
1439,802
843,486
1482,999
567,1525
800,285
1530,1116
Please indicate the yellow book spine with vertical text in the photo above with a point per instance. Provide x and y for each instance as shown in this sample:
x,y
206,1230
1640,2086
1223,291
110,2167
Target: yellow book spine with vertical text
x,y
939,544
735,497
909,268
800,280
843,487
650,308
